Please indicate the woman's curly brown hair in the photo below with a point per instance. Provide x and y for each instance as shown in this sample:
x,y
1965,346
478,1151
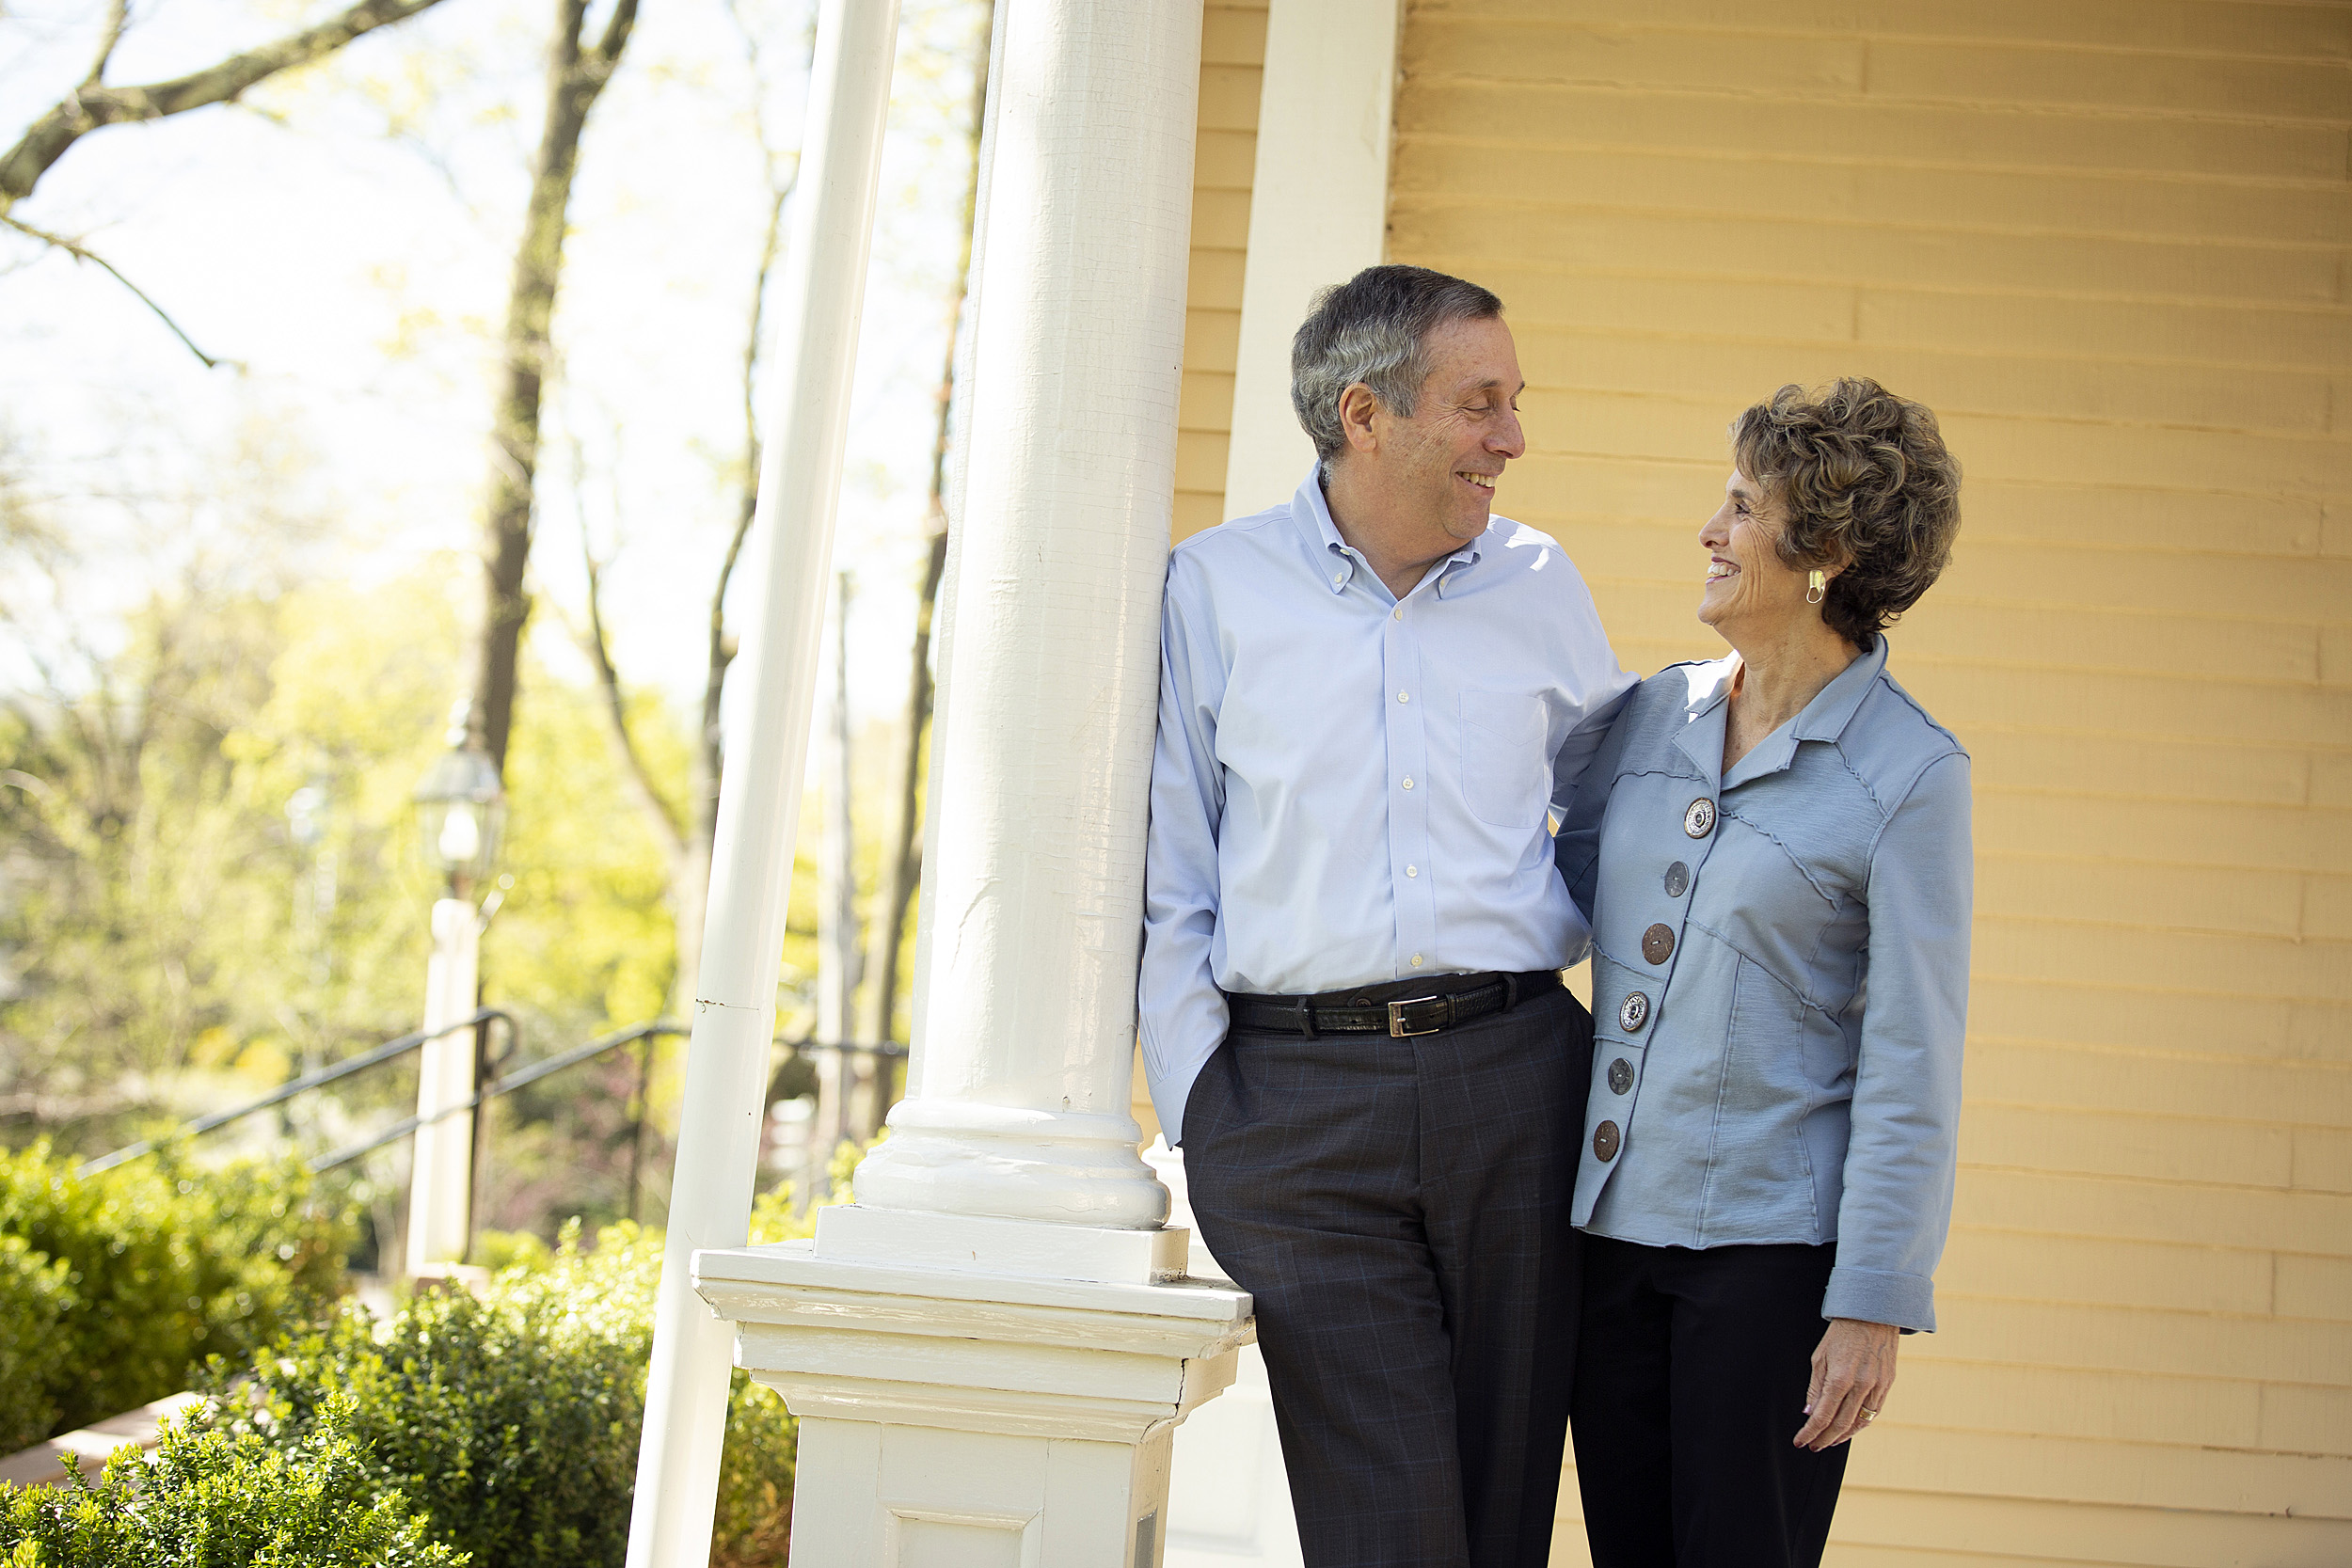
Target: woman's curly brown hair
x,y
1865,481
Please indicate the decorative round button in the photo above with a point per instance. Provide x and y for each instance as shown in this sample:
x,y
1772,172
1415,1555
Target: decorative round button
x,y
1605,1139
1658,943
1633,1011
1677,880
1698,820
1408,782
1620,1076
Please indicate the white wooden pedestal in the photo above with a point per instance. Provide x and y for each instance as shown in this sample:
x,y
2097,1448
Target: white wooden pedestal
x,y
956,1418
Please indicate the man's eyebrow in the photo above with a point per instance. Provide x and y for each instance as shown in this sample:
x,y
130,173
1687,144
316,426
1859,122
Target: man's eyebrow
x,y
1489,385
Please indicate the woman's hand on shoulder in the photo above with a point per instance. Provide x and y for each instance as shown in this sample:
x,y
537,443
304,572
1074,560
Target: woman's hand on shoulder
x,y
1853,1366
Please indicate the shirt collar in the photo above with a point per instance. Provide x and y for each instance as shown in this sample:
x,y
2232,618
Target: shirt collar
x,y
1824,718
1313,510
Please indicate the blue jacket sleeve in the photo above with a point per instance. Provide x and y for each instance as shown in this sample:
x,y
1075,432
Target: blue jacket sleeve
x,y
1903,1149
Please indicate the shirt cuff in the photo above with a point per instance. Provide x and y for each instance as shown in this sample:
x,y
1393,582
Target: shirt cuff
x,y
1874,1296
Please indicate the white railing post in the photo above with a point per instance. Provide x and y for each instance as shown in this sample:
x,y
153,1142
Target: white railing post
x,y
822,294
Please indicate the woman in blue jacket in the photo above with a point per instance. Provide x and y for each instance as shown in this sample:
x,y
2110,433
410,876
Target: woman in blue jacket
x,y
1775,850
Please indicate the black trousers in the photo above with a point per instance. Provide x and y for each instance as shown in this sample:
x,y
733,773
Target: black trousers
x,y
1690,1379
1399,1208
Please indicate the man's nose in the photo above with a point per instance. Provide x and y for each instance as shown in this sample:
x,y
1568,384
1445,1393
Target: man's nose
x,y
1509,442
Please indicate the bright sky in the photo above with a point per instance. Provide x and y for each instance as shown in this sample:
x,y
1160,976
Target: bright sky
x,y
347,235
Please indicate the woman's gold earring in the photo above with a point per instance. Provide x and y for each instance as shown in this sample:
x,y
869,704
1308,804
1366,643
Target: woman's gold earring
x,y
1815,586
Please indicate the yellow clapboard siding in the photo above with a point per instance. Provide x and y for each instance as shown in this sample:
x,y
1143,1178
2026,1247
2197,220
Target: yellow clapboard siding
x,y
2161,1149
2009,135
2291,31
1540,51
1220,219
2191,1212
2202,83
2001,260
2131,1407
2253,1088
1204,401
2078,1469
2111,244
2176,1021
2297,1418
1211,338
2265,398
1876,1517
1228,96
1199,461
2315,338
1233,36
2133,1339
2313,213
2316,1288
1677,495
1225,160
2100,1271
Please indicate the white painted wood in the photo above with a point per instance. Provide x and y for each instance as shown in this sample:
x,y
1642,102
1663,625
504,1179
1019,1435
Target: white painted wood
x,y
1318,215
440,1182
839,954
1000,1247
970,1418
1017,1102
819,300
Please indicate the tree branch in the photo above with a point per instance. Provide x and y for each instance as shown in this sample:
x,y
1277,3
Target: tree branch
x,y
92,105
118,18
81,254
658,811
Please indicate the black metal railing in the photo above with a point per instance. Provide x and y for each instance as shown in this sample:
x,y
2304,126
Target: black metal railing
x,y
489,1073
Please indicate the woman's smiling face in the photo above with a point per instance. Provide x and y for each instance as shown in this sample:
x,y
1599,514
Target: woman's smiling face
x,y
1749,588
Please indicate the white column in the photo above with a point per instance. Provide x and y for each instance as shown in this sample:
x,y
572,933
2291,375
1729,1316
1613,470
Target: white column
x,y
1318,216
440,1184
1017,1098
990,1351
821,294
838,953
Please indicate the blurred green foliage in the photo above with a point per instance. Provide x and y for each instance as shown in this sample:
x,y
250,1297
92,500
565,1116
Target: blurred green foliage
x,y
217,1500
512,1417
115,1287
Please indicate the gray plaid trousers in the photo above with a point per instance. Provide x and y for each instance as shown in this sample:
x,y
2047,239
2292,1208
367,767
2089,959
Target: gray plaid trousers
x,y
1399,1209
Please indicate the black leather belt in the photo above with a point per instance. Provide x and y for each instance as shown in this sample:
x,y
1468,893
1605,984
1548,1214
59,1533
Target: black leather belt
x,y
1391,1008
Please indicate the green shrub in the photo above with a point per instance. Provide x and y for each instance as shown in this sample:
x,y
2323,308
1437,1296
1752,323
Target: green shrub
x,y
512,1418
217,1499
164,1264
33,1296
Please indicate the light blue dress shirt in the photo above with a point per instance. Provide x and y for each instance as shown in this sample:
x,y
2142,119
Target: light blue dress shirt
x,y
1350,789
1779,980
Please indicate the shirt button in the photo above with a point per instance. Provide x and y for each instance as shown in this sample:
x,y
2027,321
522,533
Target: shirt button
x,y
1658,943
1677,880
1338,577
1408,782
1400,612
1416,960
1605,1141
1402,698
1412,871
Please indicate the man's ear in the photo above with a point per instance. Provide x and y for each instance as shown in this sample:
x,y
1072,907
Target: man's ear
x,y
1357,407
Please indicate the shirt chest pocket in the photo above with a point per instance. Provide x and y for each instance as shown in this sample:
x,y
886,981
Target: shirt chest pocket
x,y
1506,775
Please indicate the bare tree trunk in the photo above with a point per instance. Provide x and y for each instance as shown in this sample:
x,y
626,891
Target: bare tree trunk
x,y
687,837
575,77
902,856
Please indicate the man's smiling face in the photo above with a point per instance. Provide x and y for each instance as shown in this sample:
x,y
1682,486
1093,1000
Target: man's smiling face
x,y
1441,465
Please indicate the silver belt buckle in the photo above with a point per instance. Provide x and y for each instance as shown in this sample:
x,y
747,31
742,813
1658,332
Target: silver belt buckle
x,y
1396,1018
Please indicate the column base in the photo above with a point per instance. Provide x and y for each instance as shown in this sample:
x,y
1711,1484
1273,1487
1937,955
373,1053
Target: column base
x,y
862,1232
1007,1162
970,1417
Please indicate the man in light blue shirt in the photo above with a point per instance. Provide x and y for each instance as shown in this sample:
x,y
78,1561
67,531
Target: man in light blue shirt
x,y
1374,701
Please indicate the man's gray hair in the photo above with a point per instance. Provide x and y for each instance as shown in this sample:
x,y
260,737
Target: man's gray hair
x,y
1375,328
